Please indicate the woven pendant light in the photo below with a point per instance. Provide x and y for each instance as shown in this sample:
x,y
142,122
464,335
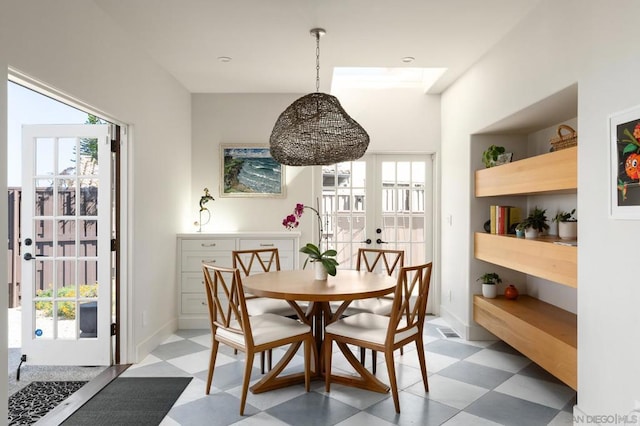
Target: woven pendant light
x,y
316,130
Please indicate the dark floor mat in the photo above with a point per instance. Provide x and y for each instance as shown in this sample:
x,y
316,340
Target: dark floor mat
x,y
35,400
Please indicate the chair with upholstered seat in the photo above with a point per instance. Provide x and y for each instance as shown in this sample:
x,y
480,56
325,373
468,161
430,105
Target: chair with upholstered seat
x,y
382,261
387,333
232,325
259,261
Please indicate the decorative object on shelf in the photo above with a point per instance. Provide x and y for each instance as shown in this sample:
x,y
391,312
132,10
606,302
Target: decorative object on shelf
x,y
316,130
204,200
519,232
324,262
564,140
250,171
624,130
534,224
490,156
511,292
487,226
489,284
567,225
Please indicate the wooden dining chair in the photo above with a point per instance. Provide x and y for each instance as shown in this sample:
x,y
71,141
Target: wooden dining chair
x,y
381,261
387,333
260,261
232,325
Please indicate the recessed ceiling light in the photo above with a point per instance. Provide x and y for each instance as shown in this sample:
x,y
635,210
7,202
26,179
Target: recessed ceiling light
x,y
408,59
224,59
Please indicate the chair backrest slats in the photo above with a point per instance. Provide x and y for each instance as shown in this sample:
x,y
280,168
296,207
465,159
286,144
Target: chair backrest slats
x,y
258,260
226,301
409,304
389,261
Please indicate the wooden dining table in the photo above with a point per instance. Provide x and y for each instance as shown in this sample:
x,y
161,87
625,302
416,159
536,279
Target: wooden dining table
x,y
300,286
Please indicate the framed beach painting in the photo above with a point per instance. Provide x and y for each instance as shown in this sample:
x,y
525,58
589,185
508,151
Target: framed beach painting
x,y
624,187
250,171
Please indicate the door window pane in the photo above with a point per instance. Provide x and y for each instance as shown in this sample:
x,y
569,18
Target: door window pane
x,y
44,149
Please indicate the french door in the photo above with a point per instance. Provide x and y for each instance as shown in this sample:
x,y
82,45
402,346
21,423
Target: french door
x,y
66,231
379,201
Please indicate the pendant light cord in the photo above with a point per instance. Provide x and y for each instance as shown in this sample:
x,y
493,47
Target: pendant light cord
x,y
317,61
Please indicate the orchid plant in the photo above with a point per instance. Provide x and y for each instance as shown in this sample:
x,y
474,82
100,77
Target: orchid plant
x,y
314,252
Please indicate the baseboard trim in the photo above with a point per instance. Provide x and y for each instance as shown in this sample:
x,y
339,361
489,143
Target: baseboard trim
x,y
467,332
145,347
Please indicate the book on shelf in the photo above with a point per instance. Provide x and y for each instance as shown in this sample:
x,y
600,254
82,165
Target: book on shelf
x,y
503,218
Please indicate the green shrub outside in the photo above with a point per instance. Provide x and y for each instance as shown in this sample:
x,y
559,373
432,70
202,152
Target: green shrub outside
x,y
66,310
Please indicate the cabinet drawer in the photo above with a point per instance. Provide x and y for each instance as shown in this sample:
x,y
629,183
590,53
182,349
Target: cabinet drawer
x,y
192,282
192,260
195,303
209,244
281,245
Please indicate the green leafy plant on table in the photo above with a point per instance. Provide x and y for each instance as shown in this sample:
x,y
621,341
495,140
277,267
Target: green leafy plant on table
x,y
327,258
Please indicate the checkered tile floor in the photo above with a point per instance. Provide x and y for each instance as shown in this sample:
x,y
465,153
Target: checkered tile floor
x,y
471,383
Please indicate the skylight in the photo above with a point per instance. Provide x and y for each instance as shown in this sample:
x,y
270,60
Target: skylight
x,y
385,78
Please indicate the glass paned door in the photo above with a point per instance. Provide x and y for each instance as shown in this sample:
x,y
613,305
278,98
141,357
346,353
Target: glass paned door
x,y
380,201
66,234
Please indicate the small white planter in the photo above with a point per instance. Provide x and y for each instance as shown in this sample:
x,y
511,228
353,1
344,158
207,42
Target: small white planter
x,y
568,230
490,291
320,271
531,233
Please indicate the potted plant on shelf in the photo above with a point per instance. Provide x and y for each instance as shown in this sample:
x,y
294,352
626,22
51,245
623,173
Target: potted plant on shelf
x,y
491,154
534,224
325,262
489,284
567,225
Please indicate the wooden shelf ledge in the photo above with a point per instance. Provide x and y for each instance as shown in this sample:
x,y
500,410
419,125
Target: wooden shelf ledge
x,y
555,172
543,332
539,257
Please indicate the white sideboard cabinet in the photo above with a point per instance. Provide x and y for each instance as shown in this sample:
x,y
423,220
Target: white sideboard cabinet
x,y
193,249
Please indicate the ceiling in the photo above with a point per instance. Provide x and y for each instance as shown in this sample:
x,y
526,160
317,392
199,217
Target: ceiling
x,y
273,52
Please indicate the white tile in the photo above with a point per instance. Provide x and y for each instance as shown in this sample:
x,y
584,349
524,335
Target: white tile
x,y
260,419
466,419
449,391
198,361
168,421
193,391
363,418
171,339
538,391
358,398
499,360
204,340
148,360
264,401
435,362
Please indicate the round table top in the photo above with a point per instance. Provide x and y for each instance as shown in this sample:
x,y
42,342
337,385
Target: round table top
x,y
301,285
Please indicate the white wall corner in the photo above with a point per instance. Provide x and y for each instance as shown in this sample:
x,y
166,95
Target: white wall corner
x,y
145,347
471,331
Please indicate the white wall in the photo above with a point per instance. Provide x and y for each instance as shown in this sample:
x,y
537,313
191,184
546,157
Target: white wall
x,y
75,48
397,121
592,43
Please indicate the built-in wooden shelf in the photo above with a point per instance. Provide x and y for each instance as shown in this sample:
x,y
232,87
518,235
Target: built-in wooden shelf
x,y
544,333
539,257
555,172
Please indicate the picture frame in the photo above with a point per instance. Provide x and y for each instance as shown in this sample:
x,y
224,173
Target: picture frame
x,y
624,187
250,171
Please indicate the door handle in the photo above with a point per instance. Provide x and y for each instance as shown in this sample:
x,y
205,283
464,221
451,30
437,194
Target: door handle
x,y
379,241
29,256
367,241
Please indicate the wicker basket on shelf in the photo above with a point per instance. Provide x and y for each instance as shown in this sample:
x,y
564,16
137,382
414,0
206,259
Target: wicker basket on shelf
x,y
565,139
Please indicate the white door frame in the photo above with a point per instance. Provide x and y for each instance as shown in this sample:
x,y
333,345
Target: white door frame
x,y
127,346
